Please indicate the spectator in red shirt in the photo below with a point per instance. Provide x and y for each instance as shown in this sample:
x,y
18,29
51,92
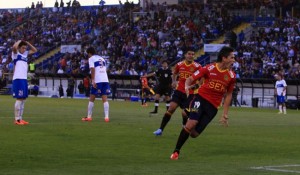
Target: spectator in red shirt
x,y
219,80
86,84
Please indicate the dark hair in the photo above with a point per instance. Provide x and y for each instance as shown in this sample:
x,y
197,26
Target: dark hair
x,y
280,75
164,61
187,49
224,52
22,43
91,50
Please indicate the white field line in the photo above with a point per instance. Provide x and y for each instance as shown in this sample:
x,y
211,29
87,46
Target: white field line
x,y
278,168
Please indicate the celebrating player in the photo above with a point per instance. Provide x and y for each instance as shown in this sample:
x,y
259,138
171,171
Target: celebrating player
x,y
219,80
181,71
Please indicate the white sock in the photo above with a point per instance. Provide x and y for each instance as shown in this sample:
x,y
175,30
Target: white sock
x,y
90,109
18,110
106,109
284,109
280,108
22,109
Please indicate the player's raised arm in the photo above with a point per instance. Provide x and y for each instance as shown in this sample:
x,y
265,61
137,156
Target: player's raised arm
x,y
16,46
32,48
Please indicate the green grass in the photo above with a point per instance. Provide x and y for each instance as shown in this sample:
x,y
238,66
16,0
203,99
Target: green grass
x,y
57,142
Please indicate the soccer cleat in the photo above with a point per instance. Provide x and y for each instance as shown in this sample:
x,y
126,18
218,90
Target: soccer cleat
x,y
174,156
18,122
144,105
279,112
86,119
106,119
24,122
158,132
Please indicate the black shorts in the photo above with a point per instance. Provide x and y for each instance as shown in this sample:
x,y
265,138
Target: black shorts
x,y
163,90
203,111
180,98
187,104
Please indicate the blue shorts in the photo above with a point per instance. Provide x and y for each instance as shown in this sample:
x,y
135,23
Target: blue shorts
x,y
280,99
20,88
102,89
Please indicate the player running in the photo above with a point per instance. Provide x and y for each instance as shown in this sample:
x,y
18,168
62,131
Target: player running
x,y
181,71
218,80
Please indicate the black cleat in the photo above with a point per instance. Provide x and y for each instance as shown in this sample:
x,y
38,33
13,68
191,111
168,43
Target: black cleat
x,y
152,113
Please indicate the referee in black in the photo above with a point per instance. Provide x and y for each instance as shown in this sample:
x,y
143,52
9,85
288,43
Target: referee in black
x,y
164,86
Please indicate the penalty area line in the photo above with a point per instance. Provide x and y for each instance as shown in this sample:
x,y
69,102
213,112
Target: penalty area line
x,y
278,168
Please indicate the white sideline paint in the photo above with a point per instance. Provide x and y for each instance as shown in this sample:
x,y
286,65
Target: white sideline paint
x,y
279,168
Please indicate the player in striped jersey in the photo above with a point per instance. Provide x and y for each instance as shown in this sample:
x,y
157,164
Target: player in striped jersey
x,y
100,84
280,92
20,86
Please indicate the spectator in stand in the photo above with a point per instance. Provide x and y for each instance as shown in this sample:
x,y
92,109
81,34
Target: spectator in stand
x,y
86,84
114,87
80,88
71,85
32,5
61,91
56,4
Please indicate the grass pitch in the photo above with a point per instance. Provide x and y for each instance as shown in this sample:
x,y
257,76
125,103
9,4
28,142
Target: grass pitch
x,y
57,142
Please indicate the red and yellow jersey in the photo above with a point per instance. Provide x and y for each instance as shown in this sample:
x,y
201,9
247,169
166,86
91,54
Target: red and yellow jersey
x,y
216,83
184,71
144,82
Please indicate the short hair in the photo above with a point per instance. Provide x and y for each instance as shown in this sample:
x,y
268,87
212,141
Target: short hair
x,y
224,52
187,49
164,61
279,75
22,43
91,50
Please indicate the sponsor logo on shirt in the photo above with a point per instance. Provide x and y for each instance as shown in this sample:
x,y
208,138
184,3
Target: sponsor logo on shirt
x,y
226,77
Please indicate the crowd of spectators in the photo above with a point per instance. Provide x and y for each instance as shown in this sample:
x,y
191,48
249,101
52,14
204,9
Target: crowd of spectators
x,y
135,43
270,50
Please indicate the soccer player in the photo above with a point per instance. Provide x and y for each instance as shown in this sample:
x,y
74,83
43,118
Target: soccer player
x,y
164,87
146,91
218,80
181,71
20,86
280,92
100,83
